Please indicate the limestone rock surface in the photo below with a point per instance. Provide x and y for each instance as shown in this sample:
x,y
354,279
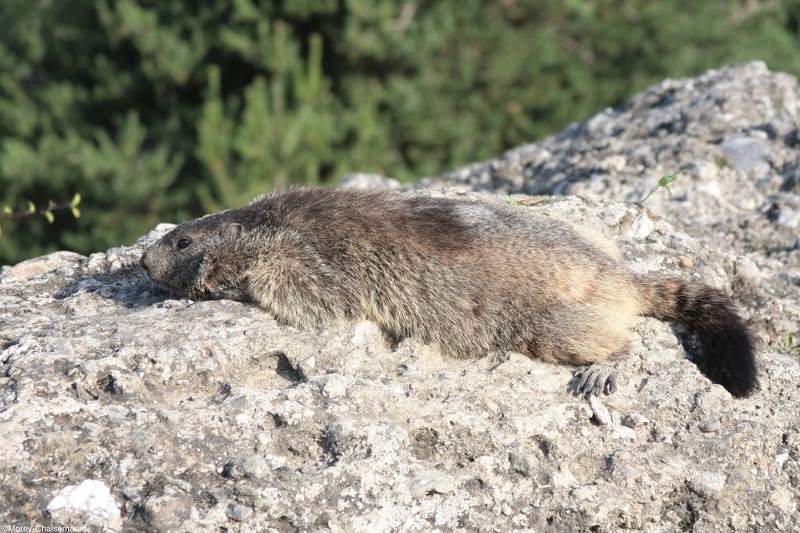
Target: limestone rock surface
x,y
132,410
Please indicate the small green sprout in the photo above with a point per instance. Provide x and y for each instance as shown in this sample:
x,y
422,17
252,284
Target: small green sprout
x,y
663,182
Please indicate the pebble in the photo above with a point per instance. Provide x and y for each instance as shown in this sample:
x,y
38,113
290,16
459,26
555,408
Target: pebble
x,y
710,424
238,513
253,466
623,432
600,411
707,484
524,463
432,481
635,420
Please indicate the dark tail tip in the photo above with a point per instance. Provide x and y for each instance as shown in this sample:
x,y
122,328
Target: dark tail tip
x,y
728,344
729,358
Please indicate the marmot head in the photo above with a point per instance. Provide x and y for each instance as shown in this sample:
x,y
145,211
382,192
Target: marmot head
x,y
198,259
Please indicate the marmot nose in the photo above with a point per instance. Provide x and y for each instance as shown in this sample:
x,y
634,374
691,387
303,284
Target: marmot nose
x,y
142,261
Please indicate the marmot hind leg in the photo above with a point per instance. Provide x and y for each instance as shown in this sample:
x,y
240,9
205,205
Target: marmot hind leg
x,y
584,336
578,334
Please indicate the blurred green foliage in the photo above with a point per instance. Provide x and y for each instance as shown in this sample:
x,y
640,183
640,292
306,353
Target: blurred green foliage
x,y
163,110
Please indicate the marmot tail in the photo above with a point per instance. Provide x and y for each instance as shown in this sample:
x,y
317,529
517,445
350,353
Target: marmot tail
x,y
728,344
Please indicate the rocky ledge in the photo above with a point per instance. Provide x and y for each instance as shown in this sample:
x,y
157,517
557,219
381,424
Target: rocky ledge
x,y
124,409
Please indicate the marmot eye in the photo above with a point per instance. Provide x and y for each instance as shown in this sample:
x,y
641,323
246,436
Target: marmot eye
x,y
184,242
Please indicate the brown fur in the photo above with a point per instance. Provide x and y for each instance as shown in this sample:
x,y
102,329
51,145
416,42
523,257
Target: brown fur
x,y
471,277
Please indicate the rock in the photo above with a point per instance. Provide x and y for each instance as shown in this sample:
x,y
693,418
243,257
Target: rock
x,y
360,180
169,511
239,513
252,466
623,432
88,503
430,482
707,484
744,153
524,463
634,420
711,424
600,411
39,266
210,416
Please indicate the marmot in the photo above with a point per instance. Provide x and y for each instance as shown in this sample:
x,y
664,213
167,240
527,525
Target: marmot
x,y
470,276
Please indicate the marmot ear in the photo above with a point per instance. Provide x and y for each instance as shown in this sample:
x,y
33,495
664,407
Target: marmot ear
x,y
232,230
